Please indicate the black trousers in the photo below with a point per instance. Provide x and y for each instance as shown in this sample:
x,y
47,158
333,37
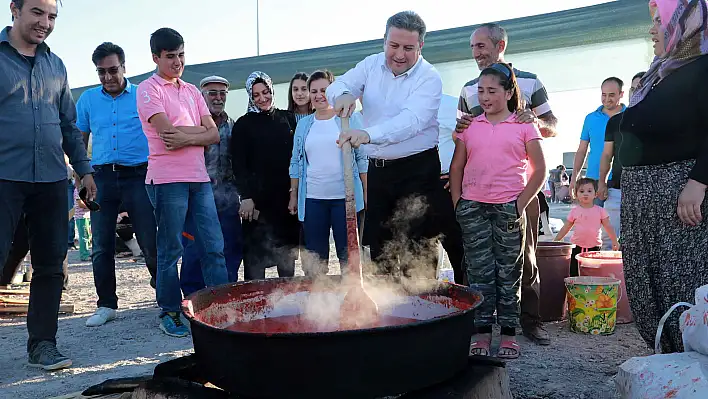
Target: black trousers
x,y
18,251
451,235
272,240
404,208
45,207
574,266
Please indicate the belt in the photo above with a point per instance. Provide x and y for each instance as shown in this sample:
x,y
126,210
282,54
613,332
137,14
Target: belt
x,y
384,163
116,167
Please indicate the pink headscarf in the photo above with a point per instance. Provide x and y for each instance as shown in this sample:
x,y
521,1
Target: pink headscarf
x,y
666,9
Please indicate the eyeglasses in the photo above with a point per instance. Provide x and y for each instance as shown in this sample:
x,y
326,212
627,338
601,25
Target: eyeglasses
x,y
214,93
110,71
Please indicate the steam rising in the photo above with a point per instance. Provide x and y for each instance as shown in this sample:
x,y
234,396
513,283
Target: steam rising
x,y
403,257
412,265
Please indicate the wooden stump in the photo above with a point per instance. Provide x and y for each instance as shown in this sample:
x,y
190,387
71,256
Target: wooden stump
x,y
484,378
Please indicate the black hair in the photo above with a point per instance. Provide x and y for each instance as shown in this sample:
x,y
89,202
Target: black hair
x,y
638,75
619,81
107,49
583,181
507,79
291,101
261,80
21,3
165,39
320,74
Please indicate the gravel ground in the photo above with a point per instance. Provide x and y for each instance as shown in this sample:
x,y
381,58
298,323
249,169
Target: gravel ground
x,y
574,366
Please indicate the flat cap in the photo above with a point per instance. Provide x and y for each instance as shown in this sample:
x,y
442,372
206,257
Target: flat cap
x,y
214,79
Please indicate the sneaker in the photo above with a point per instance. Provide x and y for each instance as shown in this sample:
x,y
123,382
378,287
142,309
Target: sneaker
x,y
171,324
45,355
101,317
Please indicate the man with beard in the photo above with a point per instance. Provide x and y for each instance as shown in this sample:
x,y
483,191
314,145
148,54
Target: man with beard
x,y
37,126
215,89
178,126
120,150
489,42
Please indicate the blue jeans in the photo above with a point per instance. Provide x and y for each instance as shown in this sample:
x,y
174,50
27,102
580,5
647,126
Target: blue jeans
x,y
126,187
320,216
174,204
191,279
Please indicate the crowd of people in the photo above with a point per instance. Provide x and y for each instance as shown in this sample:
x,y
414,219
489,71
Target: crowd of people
x,y
268,186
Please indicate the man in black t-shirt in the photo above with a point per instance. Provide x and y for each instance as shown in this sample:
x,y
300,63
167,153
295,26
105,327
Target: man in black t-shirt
x,y
610,190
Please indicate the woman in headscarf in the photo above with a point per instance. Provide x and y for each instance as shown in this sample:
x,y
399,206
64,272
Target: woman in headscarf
x,y
663,149
261,146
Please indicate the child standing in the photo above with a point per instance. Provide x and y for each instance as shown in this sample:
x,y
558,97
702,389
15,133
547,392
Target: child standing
x,y
588,221
489,187
83,225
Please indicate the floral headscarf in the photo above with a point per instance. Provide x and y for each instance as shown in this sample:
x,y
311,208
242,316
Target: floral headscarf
x,y
252,107
684,24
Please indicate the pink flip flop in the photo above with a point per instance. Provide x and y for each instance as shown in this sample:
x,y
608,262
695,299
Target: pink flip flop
x,y
509,345
480,347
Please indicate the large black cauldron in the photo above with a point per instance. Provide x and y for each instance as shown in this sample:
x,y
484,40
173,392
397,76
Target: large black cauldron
x,y
365,363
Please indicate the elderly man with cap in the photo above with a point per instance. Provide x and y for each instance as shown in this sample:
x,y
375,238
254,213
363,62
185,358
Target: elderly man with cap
x,y
215,89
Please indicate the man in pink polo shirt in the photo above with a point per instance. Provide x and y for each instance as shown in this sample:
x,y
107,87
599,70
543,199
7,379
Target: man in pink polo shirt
x,y
178,126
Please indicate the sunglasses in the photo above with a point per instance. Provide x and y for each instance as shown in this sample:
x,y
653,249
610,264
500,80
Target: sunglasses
x,y
91,205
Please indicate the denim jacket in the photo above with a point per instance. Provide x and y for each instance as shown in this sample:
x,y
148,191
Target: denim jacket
x,y
298,162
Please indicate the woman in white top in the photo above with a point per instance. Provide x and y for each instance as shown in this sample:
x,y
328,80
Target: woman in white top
x,y
317,178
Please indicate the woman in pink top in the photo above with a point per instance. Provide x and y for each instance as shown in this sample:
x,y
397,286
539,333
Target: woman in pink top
x,y
490,192
587,219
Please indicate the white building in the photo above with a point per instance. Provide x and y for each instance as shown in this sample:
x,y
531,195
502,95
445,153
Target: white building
x,y
571,51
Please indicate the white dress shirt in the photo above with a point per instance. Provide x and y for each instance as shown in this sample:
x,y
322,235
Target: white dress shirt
x,y
447,117
400,112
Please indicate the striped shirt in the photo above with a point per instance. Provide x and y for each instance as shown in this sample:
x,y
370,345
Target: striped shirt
x,y
299,116
532,90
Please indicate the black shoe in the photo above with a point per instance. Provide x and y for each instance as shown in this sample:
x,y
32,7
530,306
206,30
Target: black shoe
x,y
45,355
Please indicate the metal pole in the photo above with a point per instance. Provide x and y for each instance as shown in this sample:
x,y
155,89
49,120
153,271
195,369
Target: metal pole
x,y
258,31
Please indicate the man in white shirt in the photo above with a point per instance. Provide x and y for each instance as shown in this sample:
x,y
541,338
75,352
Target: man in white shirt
x,y
449,228
401,95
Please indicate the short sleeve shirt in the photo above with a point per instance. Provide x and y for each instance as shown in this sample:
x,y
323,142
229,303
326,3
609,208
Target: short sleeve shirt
x,y
533,92
497,162
183,105
587,226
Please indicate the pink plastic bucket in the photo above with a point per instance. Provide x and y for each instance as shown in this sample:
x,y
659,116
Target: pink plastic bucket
x,y
607,264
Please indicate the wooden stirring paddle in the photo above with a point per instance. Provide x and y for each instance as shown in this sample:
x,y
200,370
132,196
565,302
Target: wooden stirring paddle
x,y
358,309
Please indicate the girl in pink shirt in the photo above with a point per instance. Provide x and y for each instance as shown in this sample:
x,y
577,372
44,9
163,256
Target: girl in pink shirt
x,y
588,220
490,191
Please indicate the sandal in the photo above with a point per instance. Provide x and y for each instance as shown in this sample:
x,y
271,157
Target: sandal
x,y
480,346
509,345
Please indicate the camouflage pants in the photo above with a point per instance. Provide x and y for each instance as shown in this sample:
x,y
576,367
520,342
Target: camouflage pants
x,y
493,236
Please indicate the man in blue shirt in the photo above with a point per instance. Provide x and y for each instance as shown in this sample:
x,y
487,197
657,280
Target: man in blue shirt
x,y
119,157
593,134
